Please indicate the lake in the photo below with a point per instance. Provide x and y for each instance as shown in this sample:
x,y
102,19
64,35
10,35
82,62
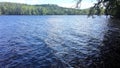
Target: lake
x,y
60,41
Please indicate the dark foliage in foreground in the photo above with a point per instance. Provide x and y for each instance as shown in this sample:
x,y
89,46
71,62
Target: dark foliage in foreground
x,y
112,7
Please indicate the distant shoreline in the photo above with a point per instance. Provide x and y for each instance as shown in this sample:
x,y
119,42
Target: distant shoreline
x,y
8,8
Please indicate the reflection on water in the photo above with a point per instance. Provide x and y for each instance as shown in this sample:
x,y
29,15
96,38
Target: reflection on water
x,y
59,42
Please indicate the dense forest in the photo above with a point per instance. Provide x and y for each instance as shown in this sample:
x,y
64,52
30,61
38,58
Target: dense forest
x,y
7,8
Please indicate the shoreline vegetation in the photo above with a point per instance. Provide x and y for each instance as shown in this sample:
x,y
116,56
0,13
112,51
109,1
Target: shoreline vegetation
x,y
8,8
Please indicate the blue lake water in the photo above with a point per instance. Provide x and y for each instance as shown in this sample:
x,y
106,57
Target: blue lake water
x,y
57,41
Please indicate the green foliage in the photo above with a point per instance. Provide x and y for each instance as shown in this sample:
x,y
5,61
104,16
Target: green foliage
x,y
111,7
0,12
7,8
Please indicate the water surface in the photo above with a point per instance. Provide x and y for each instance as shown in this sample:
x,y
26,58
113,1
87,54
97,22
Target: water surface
x,y
58,42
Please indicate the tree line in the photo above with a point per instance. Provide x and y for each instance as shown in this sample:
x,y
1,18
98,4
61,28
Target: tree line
x,y
7,8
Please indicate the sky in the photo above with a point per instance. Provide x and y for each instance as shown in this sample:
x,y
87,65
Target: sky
x,y
62,3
